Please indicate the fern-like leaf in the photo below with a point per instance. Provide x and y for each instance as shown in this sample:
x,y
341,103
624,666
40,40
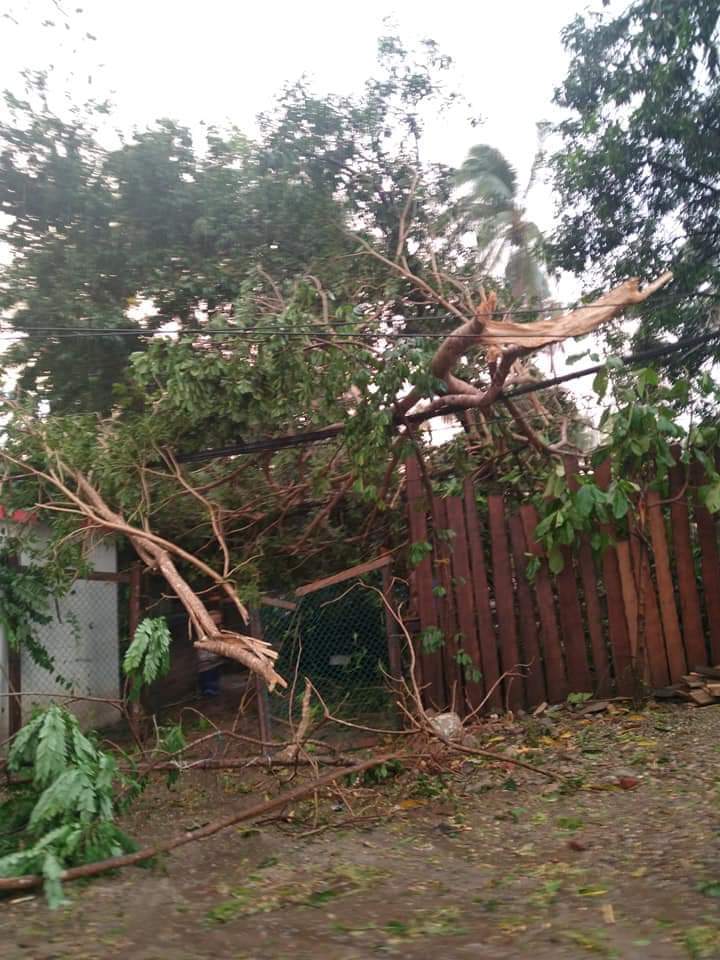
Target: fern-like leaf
x,y
51,754
148,656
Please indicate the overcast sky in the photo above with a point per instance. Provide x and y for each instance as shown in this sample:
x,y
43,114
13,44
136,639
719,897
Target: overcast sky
x,y
224,60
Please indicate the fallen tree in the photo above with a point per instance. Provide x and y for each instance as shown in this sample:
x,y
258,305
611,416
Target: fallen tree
x,y
120,476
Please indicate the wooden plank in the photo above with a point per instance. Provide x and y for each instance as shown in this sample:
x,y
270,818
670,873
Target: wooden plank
x,y
377,564
464,599
571,621
617,622
693,680
653,640
555,675
674,648
712,672
571,626
504,598
429,665
487,639
535,681
710,560
106,577
261,692
594,613
701,698
446,608
692,627
281,604
137,708
135,612
627,579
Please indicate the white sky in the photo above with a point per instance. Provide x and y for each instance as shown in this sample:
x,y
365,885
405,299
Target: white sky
x,y
224,60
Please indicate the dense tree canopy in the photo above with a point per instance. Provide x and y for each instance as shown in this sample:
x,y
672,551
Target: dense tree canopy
x,y
96,229
638,172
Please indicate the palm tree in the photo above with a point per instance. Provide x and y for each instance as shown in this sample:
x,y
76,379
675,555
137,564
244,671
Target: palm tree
x,y
495,209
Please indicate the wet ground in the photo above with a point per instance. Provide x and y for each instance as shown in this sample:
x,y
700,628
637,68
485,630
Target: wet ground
x,y
463,859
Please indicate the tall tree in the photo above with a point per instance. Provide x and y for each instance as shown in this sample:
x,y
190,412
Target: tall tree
x,y
495,209
638,172
94,229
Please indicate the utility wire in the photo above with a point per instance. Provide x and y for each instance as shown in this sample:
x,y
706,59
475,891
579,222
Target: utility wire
x,y
319,329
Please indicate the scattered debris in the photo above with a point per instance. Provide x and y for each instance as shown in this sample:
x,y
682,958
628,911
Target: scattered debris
x,y
593,706
701,687
447,725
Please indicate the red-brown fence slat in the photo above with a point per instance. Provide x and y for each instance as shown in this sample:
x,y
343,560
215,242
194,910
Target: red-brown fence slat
x,y
422,579
504,597
464,599
571,624
555,677
629,589
710,558
653,638
692,627
617,622
593,606
481,591
674,648
446,606
534,681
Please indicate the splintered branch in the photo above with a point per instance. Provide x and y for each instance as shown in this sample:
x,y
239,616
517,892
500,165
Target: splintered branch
x,y
503,341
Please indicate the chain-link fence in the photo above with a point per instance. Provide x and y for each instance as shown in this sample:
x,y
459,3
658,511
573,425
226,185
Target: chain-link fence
x,y
80,652
337,637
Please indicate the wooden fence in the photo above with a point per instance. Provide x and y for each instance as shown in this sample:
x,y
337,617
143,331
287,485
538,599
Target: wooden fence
x,y
641,615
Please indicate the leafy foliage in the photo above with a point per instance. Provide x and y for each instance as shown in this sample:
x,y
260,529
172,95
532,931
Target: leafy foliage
x,y
494,208
64,814
148,656
158,229
644,440
638,167
24,605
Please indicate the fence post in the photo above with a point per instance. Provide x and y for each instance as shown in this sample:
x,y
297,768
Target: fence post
x,y
14,675
135,709
263,707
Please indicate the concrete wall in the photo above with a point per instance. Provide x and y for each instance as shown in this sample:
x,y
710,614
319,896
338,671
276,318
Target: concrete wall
x,y
83,640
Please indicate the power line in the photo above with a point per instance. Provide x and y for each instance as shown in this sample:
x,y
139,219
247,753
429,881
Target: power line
x,y
323,329
631,359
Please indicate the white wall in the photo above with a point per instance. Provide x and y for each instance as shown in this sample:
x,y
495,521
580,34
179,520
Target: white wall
x,y
82,638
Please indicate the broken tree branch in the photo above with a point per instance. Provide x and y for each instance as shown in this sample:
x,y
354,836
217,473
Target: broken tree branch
x,y
28,881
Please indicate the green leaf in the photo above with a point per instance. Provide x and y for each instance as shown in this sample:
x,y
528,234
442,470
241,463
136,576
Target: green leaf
x,y
710,495
432,639
418,551
148,656
51,755
620,504
585,499
600,383
52,872
556,560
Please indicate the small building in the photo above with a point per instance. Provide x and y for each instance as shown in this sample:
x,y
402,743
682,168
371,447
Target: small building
x,y
82,639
